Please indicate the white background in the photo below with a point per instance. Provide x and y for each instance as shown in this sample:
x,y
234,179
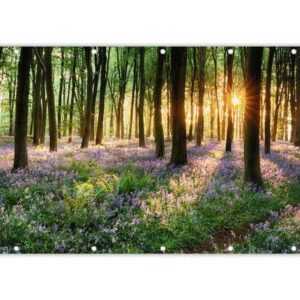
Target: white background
x,y
155,22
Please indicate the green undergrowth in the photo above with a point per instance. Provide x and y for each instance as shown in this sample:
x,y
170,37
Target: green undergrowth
x,y
108,208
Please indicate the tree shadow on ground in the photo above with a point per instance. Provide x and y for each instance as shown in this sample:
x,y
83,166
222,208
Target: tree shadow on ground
x,y
289,168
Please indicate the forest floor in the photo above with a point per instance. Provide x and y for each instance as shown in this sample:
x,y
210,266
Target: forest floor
x,y
120,199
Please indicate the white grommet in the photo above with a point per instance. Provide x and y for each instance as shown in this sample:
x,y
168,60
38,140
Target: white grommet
x,y
163,249
162,51
294,51
294,248
94,248
230,51
16,248
230,248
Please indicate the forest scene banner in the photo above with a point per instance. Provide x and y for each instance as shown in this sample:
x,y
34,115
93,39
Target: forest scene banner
x,y
149,150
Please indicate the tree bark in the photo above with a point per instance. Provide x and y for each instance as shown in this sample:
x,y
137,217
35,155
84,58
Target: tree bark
x,y
73,75
103,82
215,59
201,90
292,96
134,83
98,64
20,155
37,126
178,73
194,73
224,97
251,121
88,110
51,100
297,108
229,135
60,93
268,101
141,99
158,127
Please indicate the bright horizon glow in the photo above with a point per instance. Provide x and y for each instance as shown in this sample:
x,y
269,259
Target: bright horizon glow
x,y
235,101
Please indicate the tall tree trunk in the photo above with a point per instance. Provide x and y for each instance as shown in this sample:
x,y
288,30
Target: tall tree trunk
x,y
201,89
142,96
251,121
60,93
98,64
285,113
37,126
11,107
229,135
88,110
111,121
292,97
149,128
73,75
44,109
51,100
212,114
66,104
158,127
224,97
194,73
169,108
20,155
215,59
137,107
178,73
297,108
103,81
268,101
134,83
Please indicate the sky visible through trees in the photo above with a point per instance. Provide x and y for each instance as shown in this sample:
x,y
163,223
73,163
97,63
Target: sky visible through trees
x,y
195,147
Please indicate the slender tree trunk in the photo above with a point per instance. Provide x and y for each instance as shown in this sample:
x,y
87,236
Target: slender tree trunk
x,y
297,110
88,110
134,83
72,95
149,129
20,155
178,73
137,108
169,117
285,114
224,97
44,109
111,120
268,101
142,96
66,106
212,114
215,58
251,121
98,65
158,127
275,118
11,108
194,73
60,93
51,100
229,135
201,90
292,97
38,107
103,81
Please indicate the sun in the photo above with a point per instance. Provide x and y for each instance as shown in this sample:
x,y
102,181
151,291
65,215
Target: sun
x,y
235,100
